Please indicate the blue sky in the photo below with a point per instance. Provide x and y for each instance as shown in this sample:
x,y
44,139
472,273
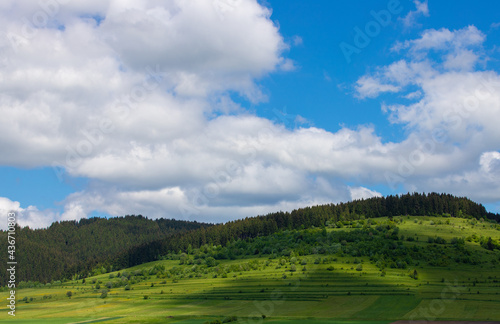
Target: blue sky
x,y
217,110
323,25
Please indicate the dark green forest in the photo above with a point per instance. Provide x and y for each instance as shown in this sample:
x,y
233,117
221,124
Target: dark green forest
x,y
70,247
76,249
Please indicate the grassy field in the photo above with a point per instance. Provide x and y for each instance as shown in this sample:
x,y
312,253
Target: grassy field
x,y
314,293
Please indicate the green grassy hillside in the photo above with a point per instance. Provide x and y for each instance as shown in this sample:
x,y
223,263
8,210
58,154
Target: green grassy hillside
x,y
296,280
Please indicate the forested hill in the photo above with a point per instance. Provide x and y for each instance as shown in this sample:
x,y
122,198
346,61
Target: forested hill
x,y
68,247
415,204
79,248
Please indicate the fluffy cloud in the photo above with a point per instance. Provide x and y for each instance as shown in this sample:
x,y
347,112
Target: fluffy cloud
x,y
460,49
368,87
481,181
453,116
229,51
358,193
152,59
421,8
444,39
29,216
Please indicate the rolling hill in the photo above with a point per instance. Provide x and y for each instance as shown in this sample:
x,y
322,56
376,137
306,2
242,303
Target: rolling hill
x,y
429,257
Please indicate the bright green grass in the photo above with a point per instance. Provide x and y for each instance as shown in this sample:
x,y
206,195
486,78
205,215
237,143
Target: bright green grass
x,y
315,296
310,321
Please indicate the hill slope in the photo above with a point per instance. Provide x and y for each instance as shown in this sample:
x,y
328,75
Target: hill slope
x,y
70,247
378,271
410,204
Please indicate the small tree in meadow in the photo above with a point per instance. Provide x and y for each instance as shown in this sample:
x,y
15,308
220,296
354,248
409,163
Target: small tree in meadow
x,y
210,262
